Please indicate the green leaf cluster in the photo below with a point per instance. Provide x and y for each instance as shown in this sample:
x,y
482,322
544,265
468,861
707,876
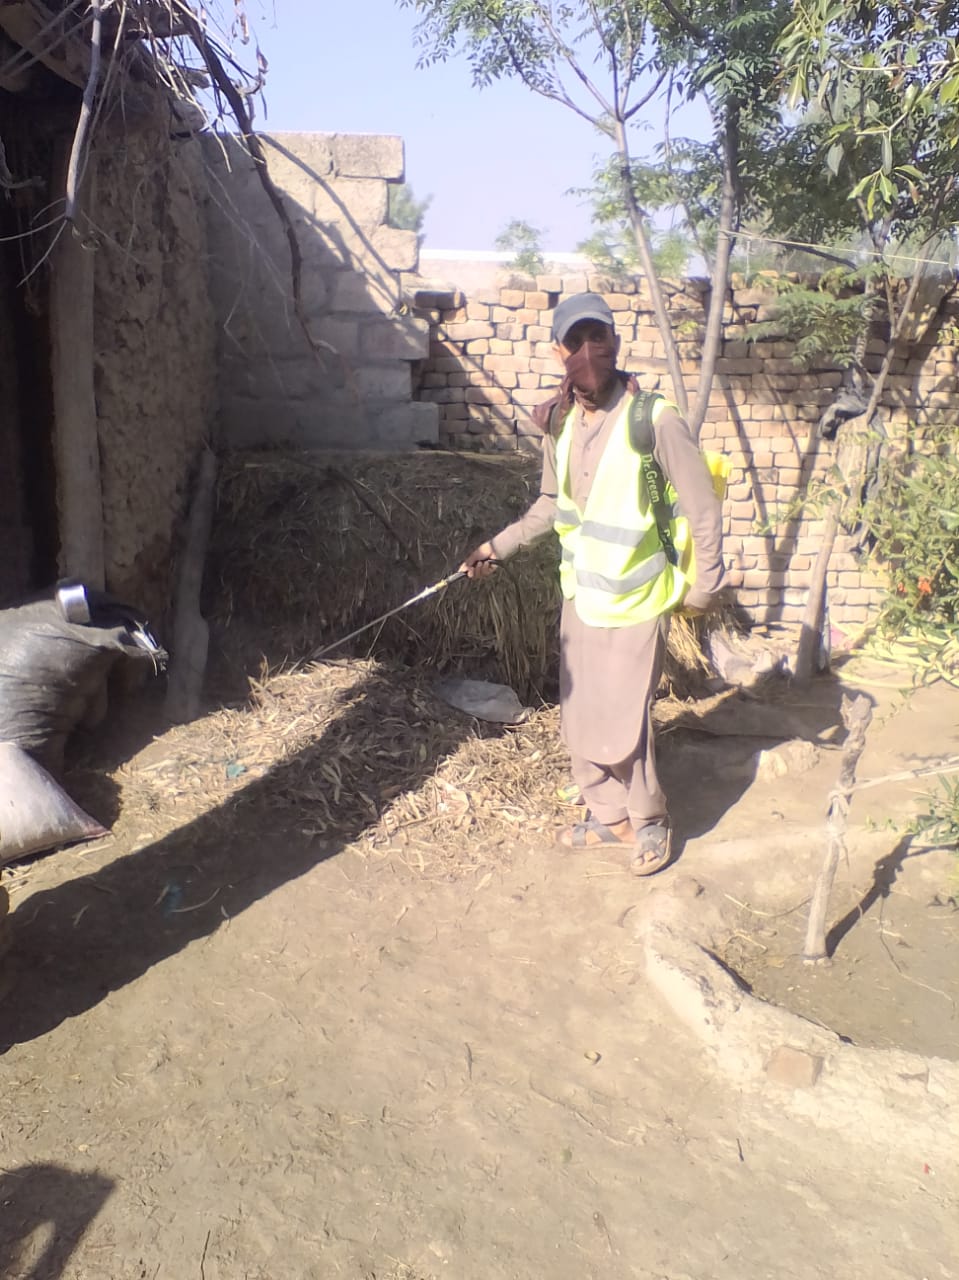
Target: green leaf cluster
x,y
914,522
523,241
940,819
825,320
404,210
878,85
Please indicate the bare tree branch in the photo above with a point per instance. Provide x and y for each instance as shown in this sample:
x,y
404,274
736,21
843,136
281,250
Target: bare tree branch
x,y
813,250
241,113
815,602
728,207
637,106
86,112
685,23
571,59
557,94
638,222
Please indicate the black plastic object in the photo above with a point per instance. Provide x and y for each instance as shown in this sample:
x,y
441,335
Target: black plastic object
x,y
52,670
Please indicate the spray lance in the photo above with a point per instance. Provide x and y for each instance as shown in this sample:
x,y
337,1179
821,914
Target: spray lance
x,y
425,594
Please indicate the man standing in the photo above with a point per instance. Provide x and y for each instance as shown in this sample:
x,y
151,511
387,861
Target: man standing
x,y
619,582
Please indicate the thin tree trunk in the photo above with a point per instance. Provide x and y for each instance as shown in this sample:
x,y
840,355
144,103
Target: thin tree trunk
x,y
856,716
816,600
713,338
637,221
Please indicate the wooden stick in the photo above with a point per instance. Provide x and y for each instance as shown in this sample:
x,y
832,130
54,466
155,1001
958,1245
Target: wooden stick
x,y
86,113
856,716
191,633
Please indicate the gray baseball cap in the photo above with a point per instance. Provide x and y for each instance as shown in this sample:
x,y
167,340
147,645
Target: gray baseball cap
x,y
581,306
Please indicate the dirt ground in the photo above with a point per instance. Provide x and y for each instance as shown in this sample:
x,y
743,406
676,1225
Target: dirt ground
x,y
237,1046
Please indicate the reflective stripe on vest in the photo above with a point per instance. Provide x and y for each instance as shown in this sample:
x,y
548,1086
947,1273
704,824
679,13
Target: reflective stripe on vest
x,y
613,564
646,571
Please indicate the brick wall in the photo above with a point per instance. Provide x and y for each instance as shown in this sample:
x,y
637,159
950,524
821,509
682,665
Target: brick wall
x,y
491,360
272,387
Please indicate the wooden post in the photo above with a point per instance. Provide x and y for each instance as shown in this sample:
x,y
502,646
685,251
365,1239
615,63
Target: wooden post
x,y
75,434
191,633
856,716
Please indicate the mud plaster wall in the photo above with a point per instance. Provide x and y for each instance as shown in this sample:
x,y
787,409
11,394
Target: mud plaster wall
x,y
155,350
273,387
491,361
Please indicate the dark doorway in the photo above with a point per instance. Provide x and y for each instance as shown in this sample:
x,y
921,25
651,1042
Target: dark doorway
x,y
28,521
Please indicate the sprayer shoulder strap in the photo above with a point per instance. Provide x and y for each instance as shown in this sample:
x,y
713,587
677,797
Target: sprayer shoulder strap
x,y
653,482
641,411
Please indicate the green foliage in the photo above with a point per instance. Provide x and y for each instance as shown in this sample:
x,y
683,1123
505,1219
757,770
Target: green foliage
x,y
880,86
606,60
825,320
672,251
914,521
613,253
523,241
940,820
405,211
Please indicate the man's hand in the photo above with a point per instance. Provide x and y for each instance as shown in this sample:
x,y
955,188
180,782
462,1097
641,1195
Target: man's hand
x,y
479,563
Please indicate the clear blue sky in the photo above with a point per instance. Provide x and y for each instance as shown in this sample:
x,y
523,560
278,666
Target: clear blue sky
x,y
485,156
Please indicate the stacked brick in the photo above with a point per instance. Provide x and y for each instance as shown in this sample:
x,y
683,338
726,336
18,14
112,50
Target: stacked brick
x,y
272,385
491,360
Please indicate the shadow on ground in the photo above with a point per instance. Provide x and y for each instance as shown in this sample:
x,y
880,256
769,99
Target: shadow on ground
x,y
77,941
43,1198
706,767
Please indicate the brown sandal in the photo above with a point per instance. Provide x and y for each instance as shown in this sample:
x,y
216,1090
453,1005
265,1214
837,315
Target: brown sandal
x,y
653,849
577,837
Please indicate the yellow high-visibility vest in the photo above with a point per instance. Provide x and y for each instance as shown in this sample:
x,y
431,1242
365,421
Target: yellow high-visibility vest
x,y
613,564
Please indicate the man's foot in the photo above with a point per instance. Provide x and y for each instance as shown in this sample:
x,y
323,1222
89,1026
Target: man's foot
x,y
653,848
593,834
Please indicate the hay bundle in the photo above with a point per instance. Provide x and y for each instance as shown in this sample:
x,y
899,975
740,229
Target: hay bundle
x,y
307,547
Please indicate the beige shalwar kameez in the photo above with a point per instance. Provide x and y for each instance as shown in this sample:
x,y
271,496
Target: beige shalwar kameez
x,y
608,675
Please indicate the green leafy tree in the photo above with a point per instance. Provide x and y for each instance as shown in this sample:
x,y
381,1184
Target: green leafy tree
x,y
523,241
605,60
877,85
612,252
405,211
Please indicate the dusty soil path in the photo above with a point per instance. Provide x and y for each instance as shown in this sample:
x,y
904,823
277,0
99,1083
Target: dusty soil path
x,y
240,1054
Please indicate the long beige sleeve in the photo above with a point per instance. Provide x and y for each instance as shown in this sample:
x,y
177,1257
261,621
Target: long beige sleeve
x,y
682,462
539,519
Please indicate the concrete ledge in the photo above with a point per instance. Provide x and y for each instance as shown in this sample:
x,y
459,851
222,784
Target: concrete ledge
x,y
871,1095
368,155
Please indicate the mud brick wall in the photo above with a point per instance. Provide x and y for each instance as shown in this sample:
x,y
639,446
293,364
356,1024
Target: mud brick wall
x,y
155,345
491,360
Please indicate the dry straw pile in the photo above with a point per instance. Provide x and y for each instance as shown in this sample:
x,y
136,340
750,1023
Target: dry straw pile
x,y
361,756
356,752
308,547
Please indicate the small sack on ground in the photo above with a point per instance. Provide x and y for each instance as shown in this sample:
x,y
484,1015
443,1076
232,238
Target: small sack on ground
x,y
496,703
36,814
